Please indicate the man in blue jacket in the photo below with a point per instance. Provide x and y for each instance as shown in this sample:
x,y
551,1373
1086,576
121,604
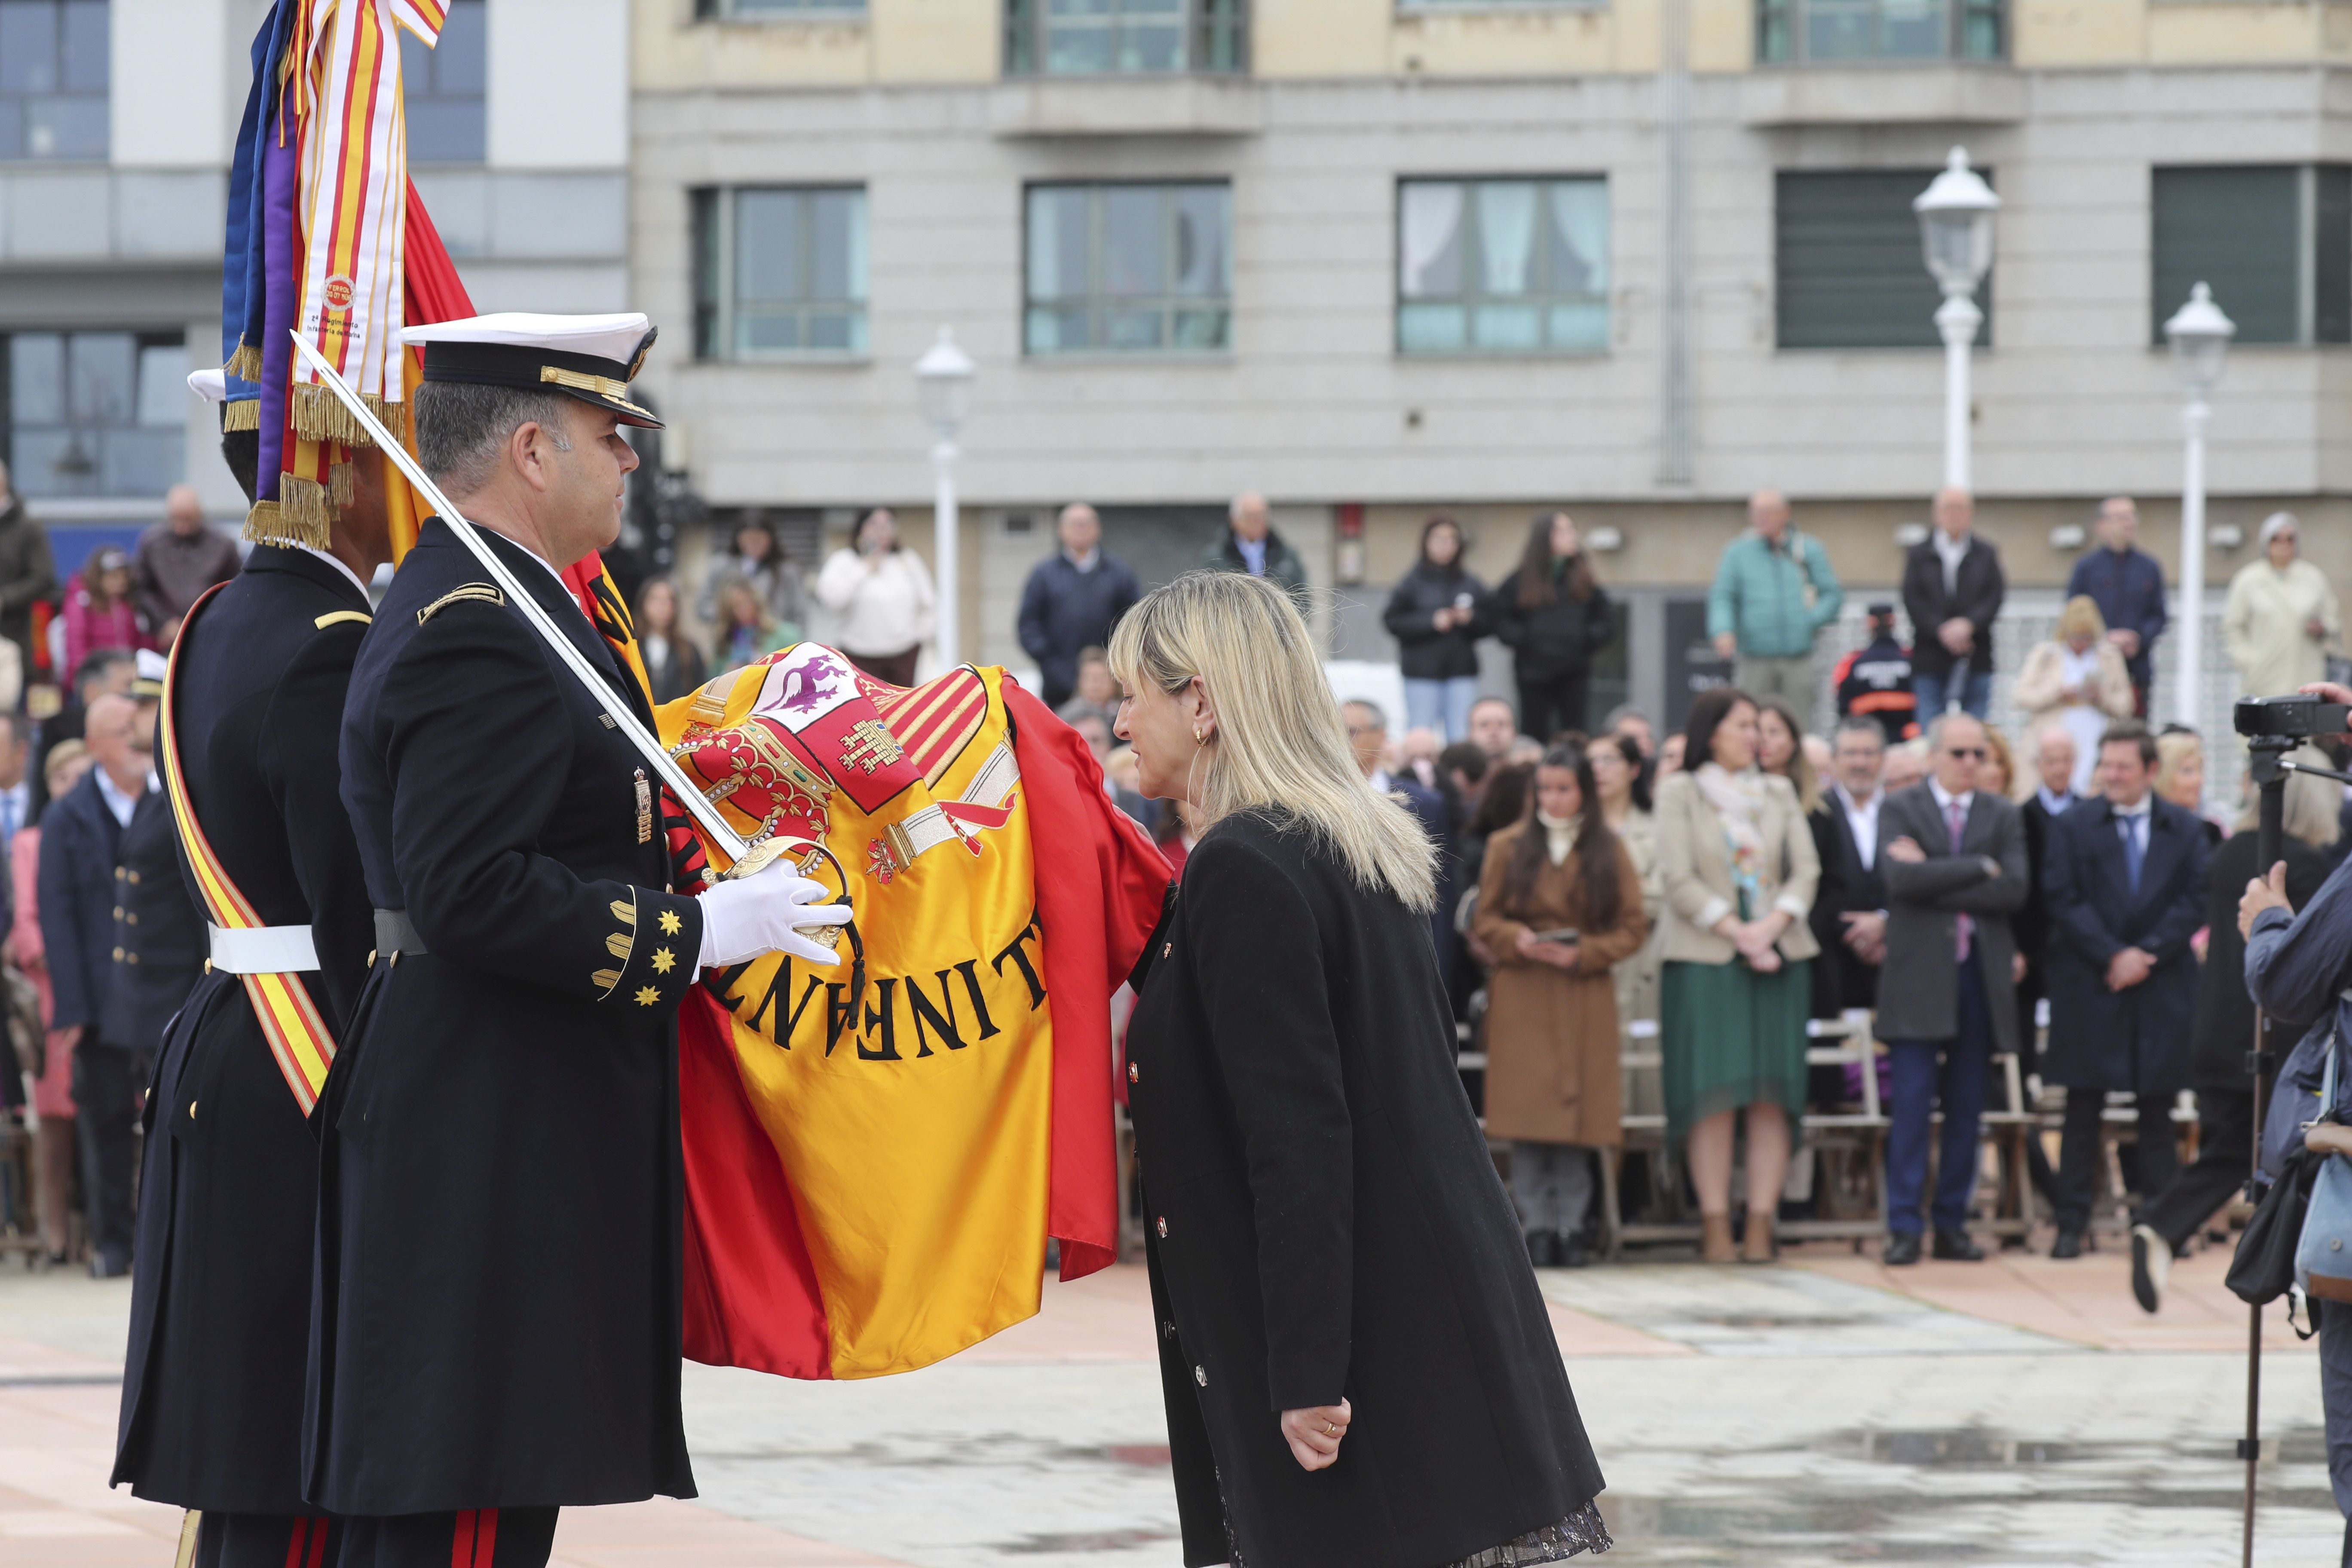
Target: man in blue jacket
x,y
81,839
2128,585
1073,599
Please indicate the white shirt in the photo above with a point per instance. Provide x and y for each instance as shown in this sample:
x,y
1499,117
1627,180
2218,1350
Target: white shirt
x,y
2134,819
1086,562
1253,554
338,565
120,803
2054,804
1952,551
1862,821
15,802
1946,800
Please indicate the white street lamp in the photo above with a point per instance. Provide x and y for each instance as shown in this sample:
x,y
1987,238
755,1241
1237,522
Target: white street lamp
x,y
1956,215
2200,337
943,384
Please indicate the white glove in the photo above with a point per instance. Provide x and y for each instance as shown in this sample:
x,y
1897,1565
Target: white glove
x,y
761,913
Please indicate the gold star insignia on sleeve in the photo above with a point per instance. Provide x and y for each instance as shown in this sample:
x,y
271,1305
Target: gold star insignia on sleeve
x,y
664,960
647,995
671,925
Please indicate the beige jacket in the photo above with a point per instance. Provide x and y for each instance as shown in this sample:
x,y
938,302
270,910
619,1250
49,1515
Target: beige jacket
x,y
2038,684
1695,863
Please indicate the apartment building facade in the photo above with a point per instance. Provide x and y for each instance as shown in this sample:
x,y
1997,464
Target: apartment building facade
x,y
117,124
1380,257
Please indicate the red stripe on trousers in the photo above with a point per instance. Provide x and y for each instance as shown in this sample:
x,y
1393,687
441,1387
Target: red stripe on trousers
x,y
461,1545
296,1539
485,1540
318,1528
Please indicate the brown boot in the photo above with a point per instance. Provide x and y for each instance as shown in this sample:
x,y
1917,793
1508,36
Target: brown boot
x,y
1756,1246
1714,1239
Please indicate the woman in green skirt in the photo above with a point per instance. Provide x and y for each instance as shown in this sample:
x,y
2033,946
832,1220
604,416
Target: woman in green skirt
x,y
1739,870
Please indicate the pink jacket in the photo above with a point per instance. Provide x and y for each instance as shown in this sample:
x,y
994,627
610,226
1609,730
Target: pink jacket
x,y
88,630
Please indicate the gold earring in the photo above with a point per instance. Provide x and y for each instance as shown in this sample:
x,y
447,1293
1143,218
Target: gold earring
x,y
1198,738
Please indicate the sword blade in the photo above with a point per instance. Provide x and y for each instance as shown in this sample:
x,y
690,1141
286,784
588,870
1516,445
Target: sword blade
x,y
648,745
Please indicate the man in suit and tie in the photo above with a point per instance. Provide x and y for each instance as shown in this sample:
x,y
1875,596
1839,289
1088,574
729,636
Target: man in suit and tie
x,y
1952,590
2124,886
1953,858
1849,914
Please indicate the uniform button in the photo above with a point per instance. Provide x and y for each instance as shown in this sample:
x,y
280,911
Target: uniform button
x,y
118,955
118,912
130,958
1166,948
1167,1330
1201,1376
1163,1227
135,878
120,873
130,920
192,1111
1134,1073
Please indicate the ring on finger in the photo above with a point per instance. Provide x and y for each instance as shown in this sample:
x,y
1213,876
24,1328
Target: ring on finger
x,y
1329,1430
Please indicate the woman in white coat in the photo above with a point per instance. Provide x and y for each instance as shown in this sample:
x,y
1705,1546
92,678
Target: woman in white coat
x,y
2280,617
881,594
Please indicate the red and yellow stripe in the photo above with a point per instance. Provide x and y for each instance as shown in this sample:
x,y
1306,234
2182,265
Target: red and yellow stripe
x,y
298,1036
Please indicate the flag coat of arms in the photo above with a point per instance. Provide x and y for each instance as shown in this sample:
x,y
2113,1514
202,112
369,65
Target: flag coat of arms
x,y
876,1153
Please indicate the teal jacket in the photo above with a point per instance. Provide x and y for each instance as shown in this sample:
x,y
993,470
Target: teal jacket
x,y
1759,595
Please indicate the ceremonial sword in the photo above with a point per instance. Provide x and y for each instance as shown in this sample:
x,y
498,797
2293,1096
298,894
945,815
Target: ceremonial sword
x,y
745,858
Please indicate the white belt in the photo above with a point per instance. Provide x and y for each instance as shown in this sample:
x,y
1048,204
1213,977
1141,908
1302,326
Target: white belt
x,y
264,950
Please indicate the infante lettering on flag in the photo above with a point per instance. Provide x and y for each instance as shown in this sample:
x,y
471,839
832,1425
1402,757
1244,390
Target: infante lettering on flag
x,y
876,1153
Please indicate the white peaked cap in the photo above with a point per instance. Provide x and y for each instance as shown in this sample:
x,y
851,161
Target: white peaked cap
x,y
614,336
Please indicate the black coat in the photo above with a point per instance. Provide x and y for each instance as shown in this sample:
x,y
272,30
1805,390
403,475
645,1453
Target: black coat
x,y
1554,639
220,1303
2031,925
2225,1013
80,846
159,937
1424,653
1325,1222
1979,590
1065,611
1841,980
500,1189
2136,1040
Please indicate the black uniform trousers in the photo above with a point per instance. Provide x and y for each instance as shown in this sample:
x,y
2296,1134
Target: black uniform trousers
x,y
107,1082
2225,1137
265,1540
2158,1153
470,1538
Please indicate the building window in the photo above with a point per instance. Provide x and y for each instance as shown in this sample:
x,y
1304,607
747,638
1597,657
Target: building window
x,y
1125,37
780,270
1130,269
1503,266
95,413
1848,268
53,79
1827,32
443,89
2276,243
764,10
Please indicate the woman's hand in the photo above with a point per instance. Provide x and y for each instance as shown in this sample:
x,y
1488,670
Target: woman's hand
x,y
1535,950
1314,1433
1757,939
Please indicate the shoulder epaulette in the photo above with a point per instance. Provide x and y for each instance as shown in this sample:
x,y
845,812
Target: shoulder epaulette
x,y
464,591
337,617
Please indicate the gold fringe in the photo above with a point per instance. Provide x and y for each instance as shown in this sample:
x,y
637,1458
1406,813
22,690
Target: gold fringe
x,y
319,416
341,489
245,364
245,414
303,516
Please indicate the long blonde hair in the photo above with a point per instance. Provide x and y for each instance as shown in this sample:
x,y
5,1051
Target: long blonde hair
x,y
1281,744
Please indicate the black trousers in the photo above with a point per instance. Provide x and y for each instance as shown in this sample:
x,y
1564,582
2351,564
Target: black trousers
x,y
107,1083
265,1540
471,1538
2078,1153
2225,1133
1551,703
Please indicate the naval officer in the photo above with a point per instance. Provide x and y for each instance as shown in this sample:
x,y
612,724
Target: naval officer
x,y
497,1326
212,1387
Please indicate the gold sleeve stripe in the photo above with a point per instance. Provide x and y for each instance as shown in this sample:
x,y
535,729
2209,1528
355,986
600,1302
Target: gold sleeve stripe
x,y
619,943
625,913
483,592
337,617
605,979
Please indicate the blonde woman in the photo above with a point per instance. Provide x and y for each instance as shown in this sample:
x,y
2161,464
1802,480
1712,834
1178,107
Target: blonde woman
x,y
2180,779
1327,1242
1740,870
2077,679
1781,751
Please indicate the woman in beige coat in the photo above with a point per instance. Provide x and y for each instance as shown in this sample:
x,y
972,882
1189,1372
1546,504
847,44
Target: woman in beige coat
x,y
2280,617
2076,679
1559,903
1740,869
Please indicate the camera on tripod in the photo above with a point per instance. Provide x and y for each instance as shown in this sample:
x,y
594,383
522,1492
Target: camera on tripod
x,y
2293,717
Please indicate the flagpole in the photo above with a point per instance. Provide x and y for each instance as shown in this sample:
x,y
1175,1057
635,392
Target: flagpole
x,y
745,857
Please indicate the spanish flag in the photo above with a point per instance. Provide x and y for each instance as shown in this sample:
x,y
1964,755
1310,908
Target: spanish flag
x,y
876,1153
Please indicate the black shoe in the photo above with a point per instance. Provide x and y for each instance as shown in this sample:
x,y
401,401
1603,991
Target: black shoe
x,y
2151,1262
1543,1249
1902,1249
106,1267
1572,1254
2068,1245
1954,1246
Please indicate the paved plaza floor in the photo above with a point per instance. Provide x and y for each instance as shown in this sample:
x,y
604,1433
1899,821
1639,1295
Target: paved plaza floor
x,y
1825,1410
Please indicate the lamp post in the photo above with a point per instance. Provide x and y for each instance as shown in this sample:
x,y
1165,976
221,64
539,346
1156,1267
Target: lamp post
x,y
943,385
2200,336
1956,215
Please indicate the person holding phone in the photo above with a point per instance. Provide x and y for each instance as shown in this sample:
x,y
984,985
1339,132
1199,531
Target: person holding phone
x,y
1437,613
882,593
1559,905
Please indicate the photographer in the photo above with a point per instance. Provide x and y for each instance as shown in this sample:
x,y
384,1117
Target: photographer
x,y
2299,966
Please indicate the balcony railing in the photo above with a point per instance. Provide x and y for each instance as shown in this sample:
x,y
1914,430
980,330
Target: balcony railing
x,y
1834,32
1126,38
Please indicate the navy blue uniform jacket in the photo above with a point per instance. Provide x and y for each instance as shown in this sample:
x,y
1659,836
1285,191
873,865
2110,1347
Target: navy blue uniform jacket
x,y
220,1304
